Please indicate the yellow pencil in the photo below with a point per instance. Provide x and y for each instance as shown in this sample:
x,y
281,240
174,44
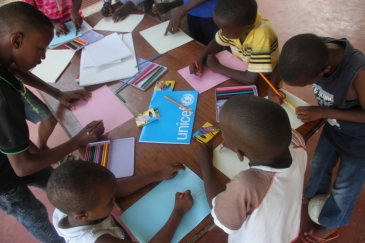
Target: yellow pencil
x,y
177,103
106,155
277,92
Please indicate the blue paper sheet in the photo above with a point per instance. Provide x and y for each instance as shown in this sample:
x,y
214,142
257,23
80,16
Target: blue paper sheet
x,y
148,215
65,38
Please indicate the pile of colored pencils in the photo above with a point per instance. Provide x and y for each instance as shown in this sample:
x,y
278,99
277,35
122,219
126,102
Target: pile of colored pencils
x,y
98,153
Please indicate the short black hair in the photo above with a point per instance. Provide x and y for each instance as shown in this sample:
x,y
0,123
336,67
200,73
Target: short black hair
x,y
75,186
256,123
242,12
23,17
303,56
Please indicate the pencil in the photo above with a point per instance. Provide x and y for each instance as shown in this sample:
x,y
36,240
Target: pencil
x,y
153,77
177,103
197,67
92,129
276,91
148,60
121,98
124,84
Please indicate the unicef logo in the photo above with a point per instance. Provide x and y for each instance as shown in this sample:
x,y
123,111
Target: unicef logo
x,y
187,99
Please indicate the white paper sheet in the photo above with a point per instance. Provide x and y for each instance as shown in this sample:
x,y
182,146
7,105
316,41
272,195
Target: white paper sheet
x,y
155,36
88,63
228,163
54,64
126,25
108,49
110,72
85,27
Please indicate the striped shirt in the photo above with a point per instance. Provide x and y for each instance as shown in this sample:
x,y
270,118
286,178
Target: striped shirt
x,y
260,50
55,10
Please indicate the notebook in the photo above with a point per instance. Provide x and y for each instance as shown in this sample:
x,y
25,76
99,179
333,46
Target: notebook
x,y
175,125
147,216
61,39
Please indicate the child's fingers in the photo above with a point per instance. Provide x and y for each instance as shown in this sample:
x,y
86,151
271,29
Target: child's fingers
x,y
93,123
178,166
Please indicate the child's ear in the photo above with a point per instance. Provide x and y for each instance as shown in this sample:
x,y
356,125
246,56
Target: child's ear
x,y
17,40
81,216
326,70
240,155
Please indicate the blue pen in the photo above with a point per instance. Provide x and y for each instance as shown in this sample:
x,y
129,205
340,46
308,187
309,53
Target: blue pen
x,y
126,83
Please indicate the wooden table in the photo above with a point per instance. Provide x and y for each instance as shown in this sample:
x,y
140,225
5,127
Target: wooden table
x,y
149,157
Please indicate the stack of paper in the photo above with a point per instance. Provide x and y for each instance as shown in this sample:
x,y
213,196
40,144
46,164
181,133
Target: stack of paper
x,y
62,39
99,67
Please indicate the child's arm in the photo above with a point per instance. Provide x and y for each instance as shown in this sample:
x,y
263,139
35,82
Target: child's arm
x,y
183,203
203,156
212,48
75,16
25,163
161,8
175,21
64,97
127,186
275,80
123,11
311,113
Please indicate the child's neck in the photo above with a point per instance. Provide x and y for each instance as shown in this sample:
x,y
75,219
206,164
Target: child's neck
x,y
70,222
336,53
5,58
280,162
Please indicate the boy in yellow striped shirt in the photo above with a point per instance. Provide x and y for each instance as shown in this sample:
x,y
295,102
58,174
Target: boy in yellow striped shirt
x,y
250,37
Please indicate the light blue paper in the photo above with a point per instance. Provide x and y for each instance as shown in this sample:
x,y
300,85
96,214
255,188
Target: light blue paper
x,y
65,38
148,215
176,124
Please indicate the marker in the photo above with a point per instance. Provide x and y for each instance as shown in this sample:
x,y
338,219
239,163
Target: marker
x,y
197,67
177,103
277,92
93,128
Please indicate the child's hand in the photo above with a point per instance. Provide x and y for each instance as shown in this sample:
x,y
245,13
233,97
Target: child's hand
x,y
68,97
90,133
310,113
60,28
203,155
274,97
76,19
183,202
169,170
161,8
194,70
175,21
213,62
123,11
107,9
145,6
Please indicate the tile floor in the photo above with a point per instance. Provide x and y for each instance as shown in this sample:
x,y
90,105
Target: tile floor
x,y
334,18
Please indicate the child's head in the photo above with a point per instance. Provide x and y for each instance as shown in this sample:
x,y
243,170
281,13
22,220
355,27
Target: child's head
x,y
255,127
235,17
82,190
25,33
303,60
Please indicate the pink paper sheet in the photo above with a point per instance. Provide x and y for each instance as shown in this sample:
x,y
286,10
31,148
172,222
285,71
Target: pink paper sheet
x,y
103,105
209,79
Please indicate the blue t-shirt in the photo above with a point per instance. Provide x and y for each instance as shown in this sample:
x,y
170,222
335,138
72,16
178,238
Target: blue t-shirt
x,y
204,10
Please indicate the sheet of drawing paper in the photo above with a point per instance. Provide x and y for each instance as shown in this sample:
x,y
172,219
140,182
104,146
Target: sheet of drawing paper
x,y
85,27
92,36
126,25
155,36
51,68
110,72
88,63
147,216
103,105
108,49
209,79
65,38
228,163
294,121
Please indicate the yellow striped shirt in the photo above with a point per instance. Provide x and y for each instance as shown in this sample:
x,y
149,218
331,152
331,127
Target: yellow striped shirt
x,y
260,50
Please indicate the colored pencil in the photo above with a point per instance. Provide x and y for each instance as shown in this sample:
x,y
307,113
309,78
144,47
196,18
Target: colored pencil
x,y
143,73
92,129
121,98
197,67
124,84
148,60
147,74
177,103
147,83
276,91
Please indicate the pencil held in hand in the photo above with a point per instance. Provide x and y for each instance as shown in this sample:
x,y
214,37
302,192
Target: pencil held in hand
x,y
197,67
93,128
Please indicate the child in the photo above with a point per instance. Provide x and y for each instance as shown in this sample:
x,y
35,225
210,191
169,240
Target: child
x,y
261,204
59,12
250,37
25,34
336,71
121,12
199,17
84,194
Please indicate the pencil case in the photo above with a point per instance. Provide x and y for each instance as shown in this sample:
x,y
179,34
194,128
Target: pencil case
x,y
206,133
224,93
118,157
149,72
